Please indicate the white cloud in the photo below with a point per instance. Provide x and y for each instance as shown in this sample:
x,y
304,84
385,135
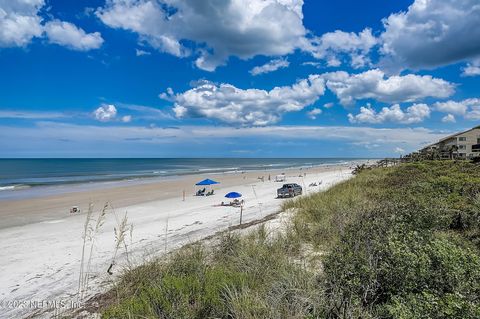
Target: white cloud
x,y
373,84
139,52
413,114
241,28
46,134
69,35
398,150
474,113
105,113
367,145
312,63
469,108
229,104
126,118
313,113
146,112
30,115
459,108
19,22
332,45
328,105
432,33
471,70
271,66
449,118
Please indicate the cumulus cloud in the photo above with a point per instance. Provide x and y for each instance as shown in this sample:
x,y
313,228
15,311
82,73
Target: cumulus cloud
x,y
69,35
471,70
373,84
332,45
459,108
398,150
220,29
314,113
105,113
469,108
271,66
449,118
432,33
413,114
20,22
108,112
229,104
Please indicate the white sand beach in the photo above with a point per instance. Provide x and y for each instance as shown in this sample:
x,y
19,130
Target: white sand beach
x,y
41,243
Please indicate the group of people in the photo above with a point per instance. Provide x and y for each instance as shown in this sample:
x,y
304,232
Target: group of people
x,y
203,192
315,184
236,202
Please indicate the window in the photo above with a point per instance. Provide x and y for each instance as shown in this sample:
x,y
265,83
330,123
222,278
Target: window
x,y
461,147
462,138
478,140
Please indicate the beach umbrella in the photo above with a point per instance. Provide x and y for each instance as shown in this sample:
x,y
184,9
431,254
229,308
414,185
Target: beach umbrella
x,y
233,195
236,195
207,182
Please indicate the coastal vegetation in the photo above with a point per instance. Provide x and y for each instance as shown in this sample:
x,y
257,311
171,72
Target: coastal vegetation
x,y
393,242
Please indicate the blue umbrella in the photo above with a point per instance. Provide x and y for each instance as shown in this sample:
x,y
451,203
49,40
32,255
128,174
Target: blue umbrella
x,y
233,195
207,182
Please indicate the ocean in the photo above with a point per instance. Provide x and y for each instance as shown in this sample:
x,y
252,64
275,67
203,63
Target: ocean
x,y
19,176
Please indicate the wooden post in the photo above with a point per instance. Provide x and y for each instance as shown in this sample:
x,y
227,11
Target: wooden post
x,y
166,234
183,195
241,213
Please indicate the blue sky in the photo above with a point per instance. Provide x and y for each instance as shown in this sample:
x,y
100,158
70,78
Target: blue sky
x,y
236,78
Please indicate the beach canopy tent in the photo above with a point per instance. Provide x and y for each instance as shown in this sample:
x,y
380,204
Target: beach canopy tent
x,y
206,182
233,195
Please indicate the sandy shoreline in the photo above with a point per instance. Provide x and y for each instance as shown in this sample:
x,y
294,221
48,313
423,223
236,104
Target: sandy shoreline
x,y
18,212
41,242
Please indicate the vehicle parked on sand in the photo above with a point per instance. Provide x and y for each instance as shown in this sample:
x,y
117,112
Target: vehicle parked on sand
x,y
289,190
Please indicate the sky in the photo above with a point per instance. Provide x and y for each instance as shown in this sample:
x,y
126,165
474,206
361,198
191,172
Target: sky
x,y
235,78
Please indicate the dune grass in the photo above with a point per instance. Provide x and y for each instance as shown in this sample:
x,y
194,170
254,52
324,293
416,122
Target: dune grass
x,y
399,242
249,277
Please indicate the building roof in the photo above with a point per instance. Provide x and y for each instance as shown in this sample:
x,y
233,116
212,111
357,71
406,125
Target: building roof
x,y
460,133
450,136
